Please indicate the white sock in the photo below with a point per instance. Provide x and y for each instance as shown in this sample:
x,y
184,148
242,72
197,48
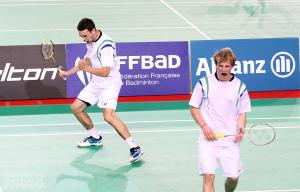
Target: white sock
x,y
94,133
130,142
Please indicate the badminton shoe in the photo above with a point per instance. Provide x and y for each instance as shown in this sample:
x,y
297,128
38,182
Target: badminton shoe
x,y
90,141
135,154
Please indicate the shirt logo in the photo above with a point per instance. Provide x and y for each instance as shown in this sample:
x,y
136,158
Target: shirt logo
x,y
83,76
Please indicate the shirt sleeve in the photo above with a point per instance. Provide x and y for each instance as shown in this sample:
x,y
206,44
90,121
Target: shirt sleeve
x,y
245,105
197,96
107,56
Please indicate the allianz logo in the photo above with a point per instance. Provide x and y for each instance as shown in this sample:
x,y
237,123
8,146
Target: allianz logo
x,y
282,65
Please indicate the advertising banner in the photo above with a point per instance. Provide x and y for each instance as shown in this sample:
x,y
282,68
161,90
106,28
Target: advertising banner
x,y
147,68
262,64
24,74
76,82
156,68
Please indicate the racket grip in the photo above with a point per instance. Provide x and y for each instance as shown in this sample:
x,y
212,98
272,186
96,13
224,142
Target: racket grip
x,y
219,135
59,70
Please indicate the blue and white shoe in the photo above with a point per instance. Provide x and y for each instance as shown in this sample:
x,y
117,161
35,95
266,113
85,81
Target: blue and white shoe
x,y
90,141
135,154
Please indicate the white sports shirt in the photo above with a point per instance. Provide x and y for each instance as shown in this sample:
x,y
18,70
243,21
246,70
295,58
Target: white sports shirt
x,y
220,103
102,53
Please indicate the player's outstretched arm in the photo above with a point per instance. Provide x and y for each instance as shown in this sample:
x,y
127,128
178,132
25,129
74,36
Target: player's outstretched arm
x,y
85,64
64,74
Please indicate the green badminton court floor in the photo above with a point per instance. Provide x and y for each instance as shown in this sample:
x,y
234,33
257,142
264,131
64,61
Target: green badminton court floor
x,y
38,144
39,153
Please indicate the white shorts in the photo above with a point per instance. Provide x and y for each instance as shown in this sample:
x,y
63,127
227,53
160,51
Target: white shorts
x,y
105,97
209,155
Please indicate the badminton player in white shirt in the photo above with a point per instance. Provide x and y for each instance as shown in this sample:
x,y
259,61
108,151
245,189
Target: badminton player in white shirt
x,y
104,88
218,104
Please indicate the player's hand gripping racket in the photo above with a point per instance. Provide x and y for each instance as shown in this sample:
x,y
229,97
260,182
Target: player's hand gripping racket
x,y
259,134
47,49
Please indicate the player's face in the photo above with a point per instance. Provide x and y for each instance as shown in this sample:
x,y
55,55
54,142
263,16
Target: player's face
x,y
224,70
87,36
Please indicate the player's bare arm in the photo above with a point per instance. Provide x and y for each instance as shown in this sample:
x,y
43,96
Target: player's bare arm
x,y
208,133
85,64
103,71
64,74
241,127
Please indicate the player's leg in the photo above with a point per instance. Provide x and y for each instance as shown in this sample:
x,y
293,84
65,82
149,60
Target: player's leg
x,y
207,161
78,108
208,182
231,183
108,102
88,96
231,166
110,117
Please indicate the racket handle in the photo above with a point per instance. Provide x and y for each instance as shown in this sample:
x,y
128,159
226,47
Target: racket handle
x,y
59,70
219,135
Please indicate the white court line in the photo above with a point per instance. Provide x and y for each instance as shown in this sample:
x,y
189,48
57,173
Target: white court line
x,y
113,132
11,4
185,19
274,118
17,1
137,122
108,28
226,2
284,190
102,132
96,123
141,3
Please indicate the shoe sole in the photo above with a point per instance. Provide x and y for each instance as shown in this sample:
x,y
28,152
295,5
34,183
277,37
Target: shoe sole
x,y
137,158
97,145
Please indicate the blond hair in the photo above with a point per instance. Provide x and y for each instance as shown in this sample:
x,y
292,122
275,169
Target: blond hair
x,y
224,55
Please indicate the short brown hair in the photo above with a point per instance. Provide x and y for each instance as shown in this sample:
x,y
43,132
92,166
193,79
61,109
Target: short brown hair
x,y
224,55
86,23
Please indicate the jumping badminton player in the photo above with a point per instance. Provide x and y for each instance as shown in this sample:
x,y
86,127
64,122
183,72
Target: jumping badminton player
x,y
104,88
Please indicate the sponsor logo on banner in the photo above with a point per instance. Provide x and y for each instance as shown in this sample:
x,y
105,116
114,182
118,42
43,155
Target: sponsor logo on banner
x,y
262,64
154,68
75,83
283,64
82,74
148,62
25,74
241,67
11,73
146,68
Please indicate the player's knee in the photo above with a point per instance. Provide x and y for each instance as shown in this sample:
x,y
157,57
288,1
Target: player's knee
x,y
108,118
74,108
233,179
208,178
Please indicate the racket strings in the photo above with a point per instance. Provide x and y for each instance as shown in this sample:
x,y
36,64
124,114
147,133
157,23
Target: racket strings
x,y
262,134
47,49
